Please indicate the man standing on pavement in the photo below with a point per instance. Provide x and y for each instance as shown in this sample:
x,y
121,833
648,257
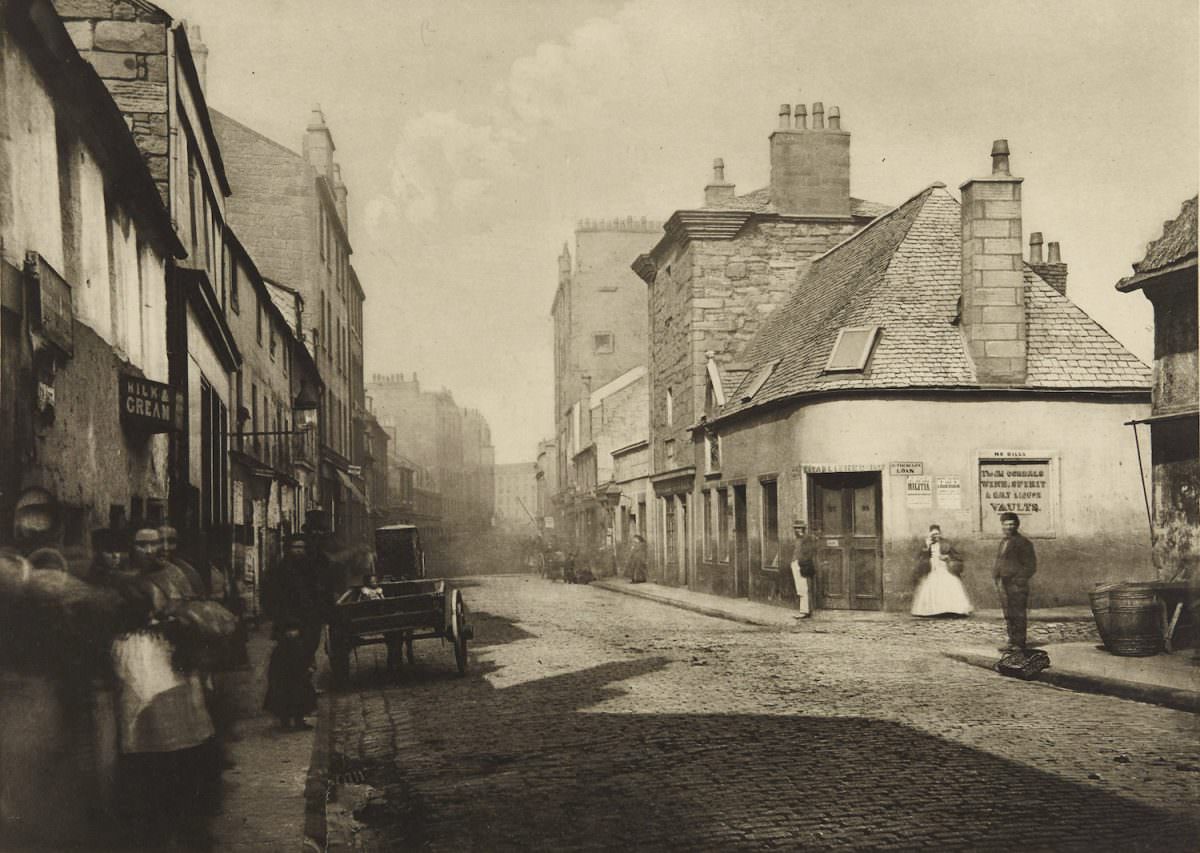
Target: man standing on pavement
x,y
293,594
1016,562
804,554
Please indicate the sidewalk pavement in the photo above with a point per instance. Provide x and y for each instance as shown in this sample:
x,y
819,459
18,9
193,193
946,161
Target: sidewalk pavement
x,y
777,616
263,785
1170,680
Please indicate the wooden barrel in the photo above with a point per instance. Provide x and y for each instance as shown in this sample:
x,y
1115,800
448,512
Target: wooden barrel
x,y
1134,622
1101,612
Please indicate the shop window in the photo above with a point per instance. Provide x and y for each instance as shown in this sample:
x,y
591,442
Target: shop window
x,y
770,524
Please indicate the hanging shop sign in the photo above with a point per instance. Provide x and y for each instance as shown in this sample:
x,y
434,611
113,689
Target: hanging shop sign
x,y
147,406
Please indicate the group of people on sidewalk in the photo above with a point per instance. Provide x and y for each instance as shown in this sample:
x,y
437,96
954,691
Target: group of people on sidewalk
x,y
938,587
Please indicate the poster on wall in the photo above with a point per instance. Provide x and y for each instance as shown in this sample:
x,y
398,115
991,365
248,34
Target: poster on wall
x,y
918,492
949,492
1021,486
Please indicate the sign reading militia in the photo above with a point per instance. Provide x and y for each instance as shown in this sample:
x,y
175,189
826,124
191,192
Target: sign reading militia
x,y
146,405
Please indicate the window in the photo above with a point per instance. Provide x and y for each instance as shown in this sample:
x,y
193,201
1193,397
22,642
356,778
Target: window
x,y
254,415
602,343
258,319
723,525
670,407
669,447
758,379
709,548
712,447
233,287
770,524
670,543
852,349
321,227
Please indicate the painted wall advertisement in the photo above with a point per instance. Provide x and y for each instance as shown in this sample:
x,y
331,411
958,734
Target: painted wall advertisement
x,y
1024,487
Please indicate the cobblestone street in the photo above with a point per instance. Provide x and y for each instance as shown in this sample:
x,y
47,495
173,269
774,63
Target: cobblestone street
x,y
591,721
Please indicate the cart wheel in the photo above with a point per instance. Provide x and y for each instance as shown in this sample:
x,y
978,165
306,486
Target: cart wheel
x,y
460,635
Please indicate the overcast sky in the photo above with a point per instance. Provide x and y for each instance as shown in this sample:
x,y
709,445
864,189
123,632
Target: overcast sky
x,y
473,135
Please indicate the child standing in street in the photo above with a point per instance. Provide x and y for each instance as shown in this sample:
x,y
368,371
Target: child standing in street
x,y
290,693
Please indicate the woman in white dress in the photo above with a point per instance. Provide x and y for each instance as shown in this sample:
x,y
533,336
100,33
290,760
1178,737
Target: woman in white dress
x,y
940,591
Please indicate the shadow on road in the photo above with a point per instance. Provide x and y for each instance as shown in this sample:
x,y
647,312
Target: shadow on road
x,y
527,765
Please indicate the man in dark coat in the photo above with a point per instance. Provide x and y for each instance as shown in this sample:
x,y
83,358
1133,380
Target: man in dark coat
x,y
1016,562
293,594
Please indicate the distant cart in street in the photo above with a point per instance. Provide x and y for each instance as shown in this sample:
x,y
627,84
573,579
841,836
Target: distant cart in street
x,y
405,606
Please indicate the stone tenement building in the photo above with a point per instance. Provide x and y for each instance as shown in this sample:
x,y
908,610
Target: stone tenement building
x,y
516,497
600,323
919,372
454,445
128,44
719,271
290,211
85,247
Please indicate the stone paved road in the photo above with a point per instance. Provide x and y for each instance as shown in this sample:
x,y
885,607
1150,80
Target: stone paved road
x,y
594,721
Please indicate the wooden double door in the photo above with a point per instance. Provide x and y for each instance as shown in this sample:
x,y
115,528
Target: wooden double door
x,y
845,516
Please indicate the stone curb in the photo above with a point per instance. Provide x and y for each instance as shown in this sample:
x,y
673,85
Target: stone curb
x,y
714,612
1154,694
316,785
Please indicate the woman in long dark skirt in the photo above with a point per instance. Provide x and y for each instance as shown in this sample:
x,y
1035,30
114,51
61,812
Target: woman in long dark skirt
x,y
290,693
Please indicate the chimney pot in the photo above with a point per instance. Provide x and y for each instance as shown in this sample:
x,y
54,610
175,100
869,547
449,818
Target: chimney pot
x,y
1055,254
835,118
785,116
801,117
1000,157
1035,247
718,170
818,116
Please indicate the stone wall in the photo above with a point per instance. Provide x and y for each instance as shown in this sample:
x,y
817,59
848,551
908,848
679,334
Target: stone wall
x,y
126,44
713,296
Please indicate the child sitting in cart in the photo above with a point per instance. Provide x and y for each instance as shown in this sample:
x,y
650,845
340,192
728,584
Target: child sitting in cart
x,y
370,589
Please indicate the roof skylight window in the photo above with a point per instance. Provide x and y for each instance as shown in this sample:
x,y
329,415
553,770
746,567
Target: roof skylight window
x,y
852,349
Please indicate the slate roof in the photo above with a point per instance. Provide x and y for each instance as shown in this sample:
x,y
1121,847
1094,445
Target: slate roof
x,y
1176,248
903,273
759,201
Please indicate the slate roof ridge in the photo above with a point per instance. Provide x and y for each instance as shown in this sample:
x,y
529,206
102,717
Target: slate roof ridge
x,y
775,329
877,219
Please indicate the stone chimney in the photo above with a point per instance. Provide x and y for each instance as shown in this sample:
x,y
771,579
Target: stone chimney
x,y
993,282
810,168
720,189
1052,270
199,56
339,194
318,144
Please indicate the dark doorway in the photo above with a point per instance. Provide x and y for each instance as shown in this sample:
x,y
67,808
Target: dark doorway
x,y
741,544
846,518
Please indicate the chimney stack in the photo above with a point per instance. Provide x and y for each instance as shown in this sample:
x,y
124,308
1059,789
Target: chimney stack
x,y
340,192
720,189
810,169
318,145
993,281
199,56
1052,270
